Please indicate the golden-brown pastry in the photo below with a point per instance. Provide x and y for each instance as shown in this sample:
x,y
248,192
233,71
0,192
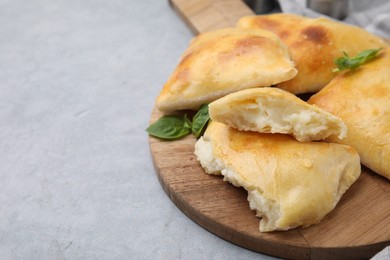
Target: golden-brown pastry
x,y
314,44
224,61
361,98
273,110
289,183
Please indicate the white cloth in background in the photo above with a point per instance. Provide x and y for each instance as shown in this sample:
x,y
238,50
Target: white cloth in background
x,y
372,15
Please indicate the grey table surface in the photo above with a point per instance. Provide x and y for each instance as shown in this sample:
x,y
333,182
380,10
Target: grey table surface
x,y
78,80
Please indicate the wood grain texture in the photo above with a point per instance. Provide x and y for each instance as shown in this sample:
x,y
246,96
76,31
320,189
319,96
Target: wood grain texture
x,y
206,15
357,228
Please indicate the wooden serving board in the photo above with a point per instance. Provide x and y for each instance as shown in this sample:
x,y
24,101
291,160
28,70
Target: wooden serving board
x,y
357,228
206,15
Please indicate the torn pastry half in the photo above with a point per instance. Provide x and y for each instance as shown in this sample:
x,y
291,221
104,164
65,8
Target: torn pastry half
x,y
289,183
361,98
273,110
314,44
220,62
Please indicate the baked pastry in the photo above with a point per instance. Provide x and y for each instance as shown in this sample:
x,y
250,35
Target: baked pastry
x,y
361,98
273,110
289,183
314,44
224,61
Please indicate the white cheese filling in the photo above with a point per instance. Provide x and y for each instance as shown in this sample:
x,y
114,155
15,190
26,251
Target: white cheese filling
x,y
264,116
267,209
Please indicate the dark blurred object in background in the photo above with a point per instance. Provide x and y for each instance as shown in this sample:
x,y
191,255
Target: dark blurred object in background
x,y
263,6
334,8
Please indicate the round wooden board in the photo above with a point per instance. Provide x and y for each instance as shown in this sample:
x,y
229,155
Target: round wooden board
x,y
357,228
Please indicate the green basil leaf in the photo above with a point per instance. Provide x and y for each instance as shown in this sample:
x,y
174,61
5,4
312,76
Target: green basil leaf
x,y
187,122
199,122
170,127
345,62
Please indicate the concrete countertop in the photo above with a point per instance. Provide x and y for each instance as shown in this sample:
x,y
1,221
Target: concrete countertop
x,y
78,80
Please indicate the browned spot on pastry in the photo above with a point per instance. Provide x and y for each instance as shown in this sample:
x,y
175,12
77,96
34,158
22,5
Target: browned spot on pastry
x,y
268,24
186,58
183,75
250,42
244,46
315,34
284,34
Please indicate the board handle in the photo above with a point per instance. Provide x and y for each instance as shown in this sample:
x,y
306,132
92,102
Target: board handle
x,y
207,15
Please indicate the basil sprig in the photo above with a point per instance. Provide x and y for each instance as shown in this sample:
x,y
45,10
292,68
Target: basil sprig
x,y
170,127
346,62
200,120
173,127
